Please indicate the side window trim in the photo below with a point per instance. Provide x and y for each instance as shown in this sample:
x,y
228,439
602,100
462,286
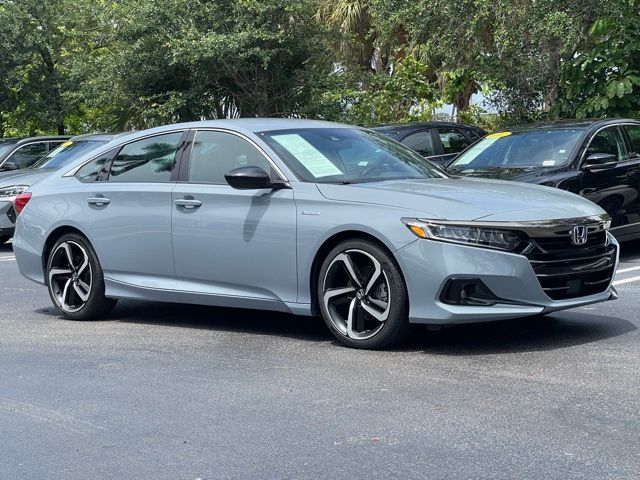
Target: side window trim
x,y
186,156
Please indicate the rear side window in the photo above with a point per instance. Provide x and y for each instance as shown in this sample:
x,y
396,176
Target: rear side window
x,y
634,136
150,160
215,153
453,141
27,155
420,142
90,171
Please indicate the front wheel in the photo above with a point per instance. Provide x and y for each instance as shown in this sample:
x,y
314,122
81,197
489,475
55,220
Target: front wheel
x,y
75,279
362,296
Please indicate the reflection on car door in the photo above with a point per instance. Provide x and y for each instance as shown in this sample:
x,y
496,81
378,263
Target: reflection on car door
x,y
130,212
615,188
231,242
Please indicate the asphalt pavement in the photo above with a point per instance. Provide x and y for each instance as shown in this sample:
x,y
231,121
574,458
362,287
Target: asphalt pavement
x,y
164,391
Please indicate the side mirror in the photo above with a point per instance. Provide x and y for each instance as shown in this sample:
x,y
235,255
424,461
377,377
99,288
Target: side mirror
x,y
6,166
248,178
599,161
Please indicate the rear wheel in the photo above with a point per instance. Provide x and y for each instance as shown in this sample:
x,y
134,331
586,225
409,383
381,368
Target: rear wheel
x,y
75,279
362,296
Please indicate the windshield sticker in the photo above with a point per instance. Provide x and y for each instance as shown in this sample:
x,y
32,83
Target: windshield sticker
x,y
498,135
548,163
312,159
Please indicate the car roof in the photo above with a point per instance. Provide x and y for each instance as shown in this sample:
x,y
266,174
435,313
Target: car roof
x,y
95,136
243,125
564,124
44,139
400,128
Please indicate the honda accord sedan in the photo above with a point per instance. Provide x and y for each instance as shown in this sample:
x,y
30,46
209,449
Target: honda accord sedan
x,y
308,218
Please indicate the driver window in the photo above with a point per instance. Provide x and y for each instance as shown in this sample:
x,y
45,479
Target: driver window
x,y
215,153
608,141
420,142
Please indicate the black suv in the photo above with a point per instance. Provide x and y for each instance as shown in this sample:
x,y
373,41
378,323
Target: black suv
x,y
18,153
440,142
598,159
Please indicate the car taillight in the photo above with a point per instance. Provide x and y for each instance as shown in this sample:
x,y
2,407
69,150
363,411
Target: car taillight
x,y
21,201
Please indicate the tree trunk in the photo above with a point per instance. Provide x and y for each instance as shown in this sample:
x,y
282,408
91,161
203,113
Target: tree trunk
x,y
61,128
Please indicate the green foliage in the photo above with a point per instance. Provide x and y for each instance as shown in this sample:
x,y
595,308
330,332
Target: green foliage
x,y
86,65
604,80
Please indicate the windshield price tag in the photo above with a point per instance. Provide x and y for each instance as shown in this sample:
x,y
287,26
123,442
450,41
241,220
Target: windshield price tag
x,y
312,159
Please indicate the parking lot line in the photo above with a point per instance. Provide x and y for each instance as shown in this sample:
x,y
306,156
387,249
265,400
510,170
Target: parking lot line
x,y
7,259
626,280
624,270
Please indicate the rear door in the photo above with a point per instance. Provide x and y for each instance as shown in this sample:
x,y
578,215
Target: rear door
x,y
227,242
130,211
615,188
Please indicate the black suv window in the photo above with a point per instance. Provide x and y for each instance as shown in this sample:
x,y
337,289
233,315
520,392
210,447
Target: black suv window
x,y
215,153
420,142
149,160
453,140
609,141
27,155
634,136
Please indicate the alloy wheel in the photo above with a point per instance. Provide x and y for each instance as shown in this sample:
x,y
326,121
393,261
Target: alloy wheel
x,y
70,276
356,294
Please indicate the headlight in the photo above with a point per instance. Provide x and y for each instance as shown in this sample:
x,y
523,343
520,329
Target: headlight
x,y
13,190
464,234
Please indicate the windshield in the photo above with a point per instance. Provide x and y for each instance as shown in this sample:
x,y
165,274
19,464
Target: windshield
x,y
347,155
533,149
66,152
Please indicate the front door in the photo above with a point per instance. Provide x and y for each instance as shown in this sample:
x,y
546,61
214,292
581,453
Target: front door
x,y
227,242
615,188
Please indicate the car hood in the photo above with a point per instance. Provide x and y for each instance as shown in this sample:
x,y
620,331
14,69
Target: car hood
x,y
467,199
24,177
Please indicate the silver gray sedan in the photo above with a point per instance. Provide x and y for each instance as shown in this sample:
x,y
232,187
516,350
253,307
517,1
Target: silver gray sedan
x,y
309,218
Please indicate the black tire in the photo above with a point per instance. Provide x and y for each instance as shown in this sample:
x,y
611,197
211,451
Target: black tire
x,y
4,239
396,328
96,305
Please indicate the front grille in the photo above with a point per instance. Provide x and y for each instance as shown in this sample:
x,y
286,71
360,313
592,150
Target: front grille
x,y
567,271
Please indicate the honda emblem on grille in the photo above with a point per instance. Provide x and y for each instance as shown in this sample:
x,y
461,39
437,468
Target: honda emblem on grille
x,y
579,235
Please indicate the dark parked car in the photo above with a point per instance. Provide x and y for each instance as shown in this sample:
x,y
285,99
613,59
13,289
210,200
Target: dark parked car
x,y
17,153
13,183
440,142
598,159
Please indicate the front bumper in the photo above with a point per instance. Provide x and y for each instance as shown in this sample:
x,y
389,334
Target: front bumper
x,y
7,217
428,265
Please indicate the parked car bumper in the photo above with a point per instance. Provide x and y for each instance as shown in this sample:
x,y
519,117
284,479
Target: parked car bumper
x,y
428,266
7,217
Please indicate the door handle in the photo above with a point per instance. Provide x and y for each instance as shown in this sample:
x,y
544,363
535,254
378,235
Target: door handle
x,y
188,203
98,201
